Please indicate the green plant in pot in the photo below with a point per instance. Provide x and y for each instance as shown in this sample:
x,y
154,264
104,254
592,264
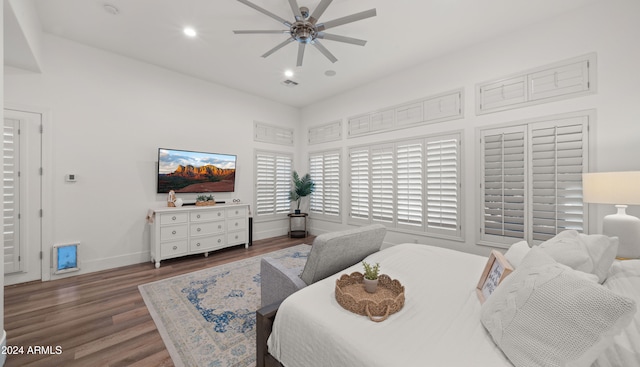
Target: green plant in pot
x,y
205,200
302,186
371,273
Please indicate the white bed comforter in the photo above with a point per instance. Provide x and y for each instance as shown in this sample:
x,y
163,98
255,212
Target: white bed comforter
x,y
438,326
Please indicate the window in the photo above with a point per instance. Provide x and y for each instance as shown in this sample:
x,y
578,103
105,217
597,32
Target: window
x,y
410,185
532,179
324,169
273,183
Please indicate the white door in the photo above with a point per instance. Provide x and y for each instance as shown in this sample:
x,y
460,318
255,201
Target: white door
x,y
22,157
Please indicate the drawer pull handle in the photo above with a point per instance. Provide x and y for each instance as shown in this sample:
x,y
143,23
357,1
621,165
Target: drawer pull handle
x,y
173,232
219,226
198,229
236,224
237,212
219,240
198,216
173,218
219,214
198,244
175,247
236,237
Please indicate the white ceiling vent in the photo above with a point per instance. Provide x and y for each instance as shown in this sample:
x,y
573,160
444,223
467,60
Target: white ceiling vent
x,y
289,83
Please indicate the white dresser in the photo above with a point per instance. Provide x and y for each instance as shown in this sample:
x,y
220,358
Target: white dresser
x,y
191,230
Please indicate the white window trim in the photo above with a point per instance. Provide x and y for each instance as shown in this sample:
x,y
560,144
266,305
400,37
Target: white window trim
x,y
588,224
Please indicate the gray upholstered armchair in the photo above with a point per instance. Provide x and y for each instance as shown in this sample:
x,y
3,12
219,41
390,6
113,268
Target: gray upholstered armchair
x,y
330,253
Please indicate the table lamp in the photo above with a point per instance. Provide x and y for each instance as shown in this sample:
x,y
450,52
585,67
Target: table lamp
x,y
621,189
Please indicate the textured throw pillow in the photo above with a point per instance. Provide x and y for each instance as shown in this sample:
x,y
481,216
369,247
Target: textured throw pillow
x,y
544,314
516,253
588,253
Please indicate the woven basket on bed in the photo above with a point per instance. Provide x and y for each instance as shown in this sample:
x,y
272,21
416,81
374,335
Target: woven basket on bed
x,y
388,298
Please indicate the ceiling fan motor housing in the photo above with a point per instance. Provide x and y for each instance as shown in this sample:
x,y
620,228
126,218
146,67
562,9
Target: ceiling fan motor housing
x,y
303,31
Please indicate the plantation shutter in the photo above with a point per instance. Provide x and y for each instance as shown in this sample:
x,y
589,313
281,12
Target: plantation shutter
x,y
273,183
316,166
557,155
359,184
442,184
532,179
11,187
324,169
283,183
382,183
409,183
504,175
332,184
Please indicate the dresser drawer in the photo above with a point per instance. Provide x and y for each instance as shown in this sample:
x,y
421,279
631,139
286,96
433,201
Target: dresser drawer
x,y
173,218
205,215
238,212
236,224
170,233
173,249
205,228
235,238
207,243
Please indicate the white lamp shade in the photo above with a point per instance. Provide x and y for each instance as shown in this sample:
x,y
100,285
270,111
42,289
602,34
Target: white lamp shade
x,y
611,187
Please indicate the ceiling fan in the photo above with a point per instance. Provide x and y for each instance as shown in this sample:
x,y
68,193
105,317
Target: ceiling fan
x,y
306,29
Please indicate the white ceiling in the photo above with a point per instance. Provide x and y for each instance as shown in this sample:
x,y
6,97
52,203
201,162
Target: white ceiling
x,y
404,33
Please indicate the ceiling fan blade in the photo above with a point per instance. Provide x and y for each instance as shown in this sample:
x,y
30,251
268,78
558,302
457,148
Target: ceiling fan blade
x,y
279,46
319,10
324,51
266,12
348,19
301,47
335,37
296,9
261,32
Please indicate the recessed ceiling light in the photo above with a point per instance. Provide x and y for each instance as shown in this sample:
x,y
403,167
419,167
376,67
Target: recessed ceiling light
x,y
288,73
189,31
330,73
111,9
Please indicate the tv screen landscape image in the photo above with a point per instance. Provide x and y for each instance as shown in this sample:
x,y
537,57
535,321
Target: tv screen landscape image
x,y
195,172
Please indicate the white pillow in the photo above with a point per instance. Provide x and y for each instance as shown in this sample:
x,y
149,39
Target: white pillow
x,y
516,253
588,253
543,314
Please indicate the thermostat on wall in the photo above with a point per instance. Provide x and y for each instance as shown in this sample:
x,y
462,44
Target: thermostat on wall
x,y
71,177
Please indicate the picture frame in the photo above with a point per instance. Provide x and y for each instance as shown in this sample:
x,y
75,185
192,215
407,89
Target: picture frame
x,y
494,272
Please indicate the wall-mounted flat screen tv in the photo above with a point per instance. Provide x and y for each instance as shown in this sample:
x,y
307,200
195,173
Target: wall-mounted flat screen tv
x,y
195,172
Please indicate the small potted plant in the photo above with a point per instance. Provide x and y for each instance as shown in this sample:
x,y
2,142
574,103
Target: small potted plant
x,y
302,186
371,273
204,200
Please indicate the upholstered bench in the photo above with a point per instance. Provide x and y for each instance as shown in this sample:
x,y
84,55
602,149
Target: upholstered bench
x,y
330,253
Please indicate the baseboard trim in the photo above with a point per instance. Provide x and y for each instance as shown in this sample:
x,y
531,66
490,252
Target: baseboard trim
x,y
92,266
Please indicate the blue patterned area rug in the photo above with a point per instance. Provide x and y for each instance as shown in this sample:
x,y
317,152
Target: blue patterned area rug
x,y
207,318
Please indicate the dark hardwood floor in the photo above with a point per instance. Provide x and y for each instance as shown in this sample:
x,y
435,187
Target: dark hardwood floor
x,y
100,319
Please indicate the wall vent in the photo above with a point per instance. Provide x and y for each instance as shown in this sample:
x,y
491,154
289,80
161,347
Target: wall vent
x,y
289,83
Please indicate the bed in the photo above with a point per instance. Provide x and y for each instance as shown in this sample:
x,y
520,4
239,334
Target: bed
x,y
439,325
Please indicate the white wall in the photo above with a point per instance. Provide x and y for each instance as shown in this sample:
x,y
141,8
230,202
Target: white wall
x,y
109,115
609,28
